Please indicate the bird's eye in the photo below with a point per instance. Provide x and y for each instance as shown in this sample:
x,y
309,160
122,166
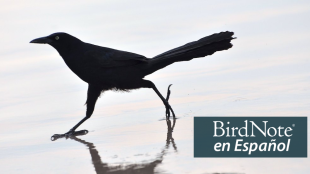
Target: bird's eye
x,y
57,37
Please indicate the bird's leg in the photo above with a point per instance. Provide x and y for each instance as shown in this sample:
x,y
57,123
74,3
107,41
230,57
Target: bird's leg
x,y
167,105
150,84
72,130
92,95
167,98
165,102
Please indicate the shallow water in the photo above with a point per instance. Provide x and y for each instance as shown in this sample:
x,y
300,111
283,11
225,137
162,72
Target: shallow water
x,y
266,73
145,147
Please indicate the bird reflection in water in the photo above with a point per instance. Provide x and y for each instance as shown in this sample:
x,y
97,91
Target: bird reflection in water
x,y
149,167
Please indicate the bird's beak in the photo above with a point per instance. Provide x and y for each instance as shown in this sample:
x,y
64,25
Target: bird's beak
x,y
42,40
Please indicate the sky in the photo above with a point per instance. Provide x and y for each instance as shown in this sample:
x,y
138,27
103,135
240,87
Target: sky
x,y
266,73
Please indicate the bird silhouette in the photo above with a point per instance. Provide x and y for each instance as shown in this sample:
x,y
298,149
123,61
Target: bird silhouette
x,y
110,69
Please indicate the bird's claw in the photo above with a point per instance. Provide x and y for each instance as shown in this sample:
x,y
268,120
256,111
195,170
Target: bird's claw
x,y
57,136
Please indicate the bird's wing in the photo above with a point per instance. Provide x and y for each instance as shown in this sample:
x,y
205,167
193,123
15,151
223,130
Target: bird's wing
x,y
108,58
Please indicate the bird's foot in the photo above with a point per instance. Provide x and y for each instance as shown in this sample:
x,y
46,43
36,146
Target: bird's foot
x,y
168,107
69,134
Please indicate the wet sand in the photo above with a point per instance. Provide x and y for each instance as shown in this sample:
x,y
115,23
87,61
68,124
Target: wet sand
x,y
159,146
266,73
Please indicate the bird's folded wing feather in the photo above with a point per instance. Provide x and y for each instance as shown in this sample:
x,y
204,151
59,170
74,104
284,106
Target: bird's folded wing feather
x,y
108,58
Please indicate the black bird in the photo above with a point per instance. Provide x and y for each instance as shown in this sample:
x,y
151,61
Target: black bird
x,y
110,69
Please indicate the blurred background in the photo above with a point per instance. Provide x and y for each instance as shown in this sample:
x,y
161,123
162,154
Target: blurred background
x,y
266,73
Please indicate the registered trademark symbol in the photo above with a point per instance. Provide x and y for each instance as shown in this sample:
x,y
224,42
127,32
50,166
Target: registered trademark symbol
x,y
293,125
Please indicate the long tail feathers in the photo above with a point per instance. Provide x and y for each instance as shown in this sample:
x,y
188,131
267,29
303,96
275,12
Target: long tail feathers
x,y
200,48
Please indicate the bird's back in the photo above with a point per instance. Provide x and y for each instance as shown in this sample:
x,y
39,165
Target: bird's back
x,y
96,64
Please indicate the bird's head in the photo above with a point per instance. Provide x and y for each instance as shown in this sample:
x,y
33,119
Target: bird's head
x,y
60,41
